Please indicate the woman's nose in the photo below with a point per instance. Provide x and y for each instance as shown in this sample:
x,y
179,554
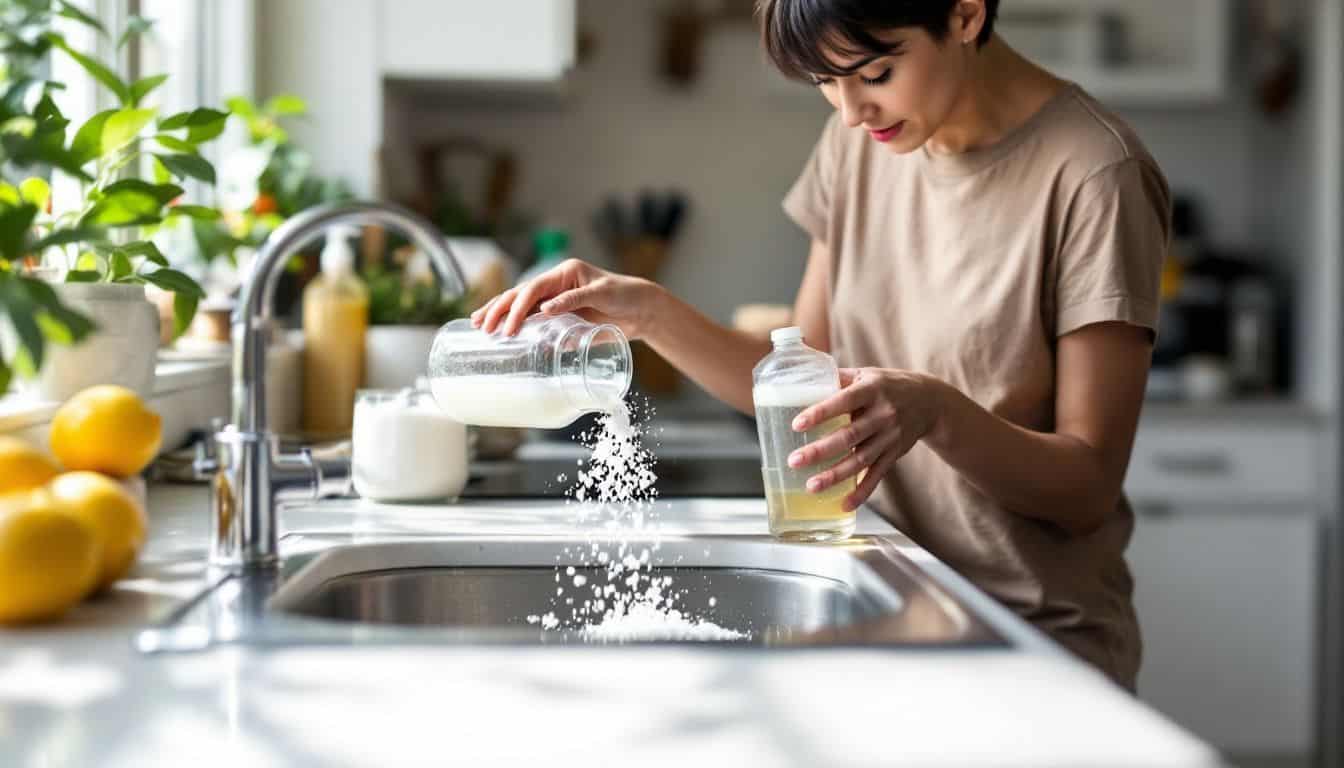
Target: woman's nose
x,y
854,107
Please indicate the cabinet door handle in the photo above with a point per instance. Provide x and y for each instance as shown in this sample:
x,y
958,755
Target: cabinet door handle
x,y
1194,463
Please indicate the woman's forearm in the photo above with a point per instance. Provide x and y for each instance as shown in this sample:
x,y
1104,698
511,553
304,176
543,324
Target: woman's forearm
x,y
717,358
1046,476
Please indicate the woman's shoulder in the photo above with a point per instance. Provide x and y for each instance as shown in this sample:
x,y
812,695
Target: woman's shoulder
x,y
1084,139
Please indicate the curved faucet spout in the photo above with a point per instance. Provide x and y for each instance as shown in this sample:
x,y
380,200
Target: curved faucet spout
x,y
253,313
251,475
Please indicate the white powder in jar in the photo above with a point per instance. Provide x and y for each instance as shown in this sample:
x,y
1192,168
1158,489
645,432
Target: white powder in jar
x,y
404,448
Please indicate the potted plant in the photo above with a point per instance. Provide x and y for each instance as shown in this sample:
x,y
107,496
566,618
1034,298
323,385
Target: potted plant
x,y
261,185
77,277
406,309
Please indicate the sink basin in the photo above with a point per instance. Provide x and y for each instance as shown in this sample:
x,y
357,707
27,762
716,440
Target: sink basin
x,y
483,589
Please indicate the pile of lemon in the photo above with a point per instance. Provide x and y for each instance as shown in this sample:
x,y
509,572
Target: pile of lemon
x,y
70,529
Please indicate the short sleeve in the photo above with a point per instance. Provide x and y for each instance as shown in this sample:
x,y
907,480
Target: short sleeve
x,y
1110,261
809,202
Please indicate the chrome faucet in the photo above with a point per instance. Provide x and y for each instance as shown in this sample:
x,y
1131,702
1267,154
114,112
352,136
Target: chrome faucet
x,y
251,477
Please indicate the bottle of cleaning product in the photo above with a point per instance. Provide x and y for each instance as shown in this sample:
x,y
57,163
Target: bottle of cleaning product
x,y
552,246
792,378
335,318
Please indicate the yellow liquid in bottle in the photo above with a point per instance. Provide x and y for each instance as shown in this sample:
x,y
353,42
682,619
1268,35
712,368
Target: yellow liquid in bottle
x,y
335,318
799,514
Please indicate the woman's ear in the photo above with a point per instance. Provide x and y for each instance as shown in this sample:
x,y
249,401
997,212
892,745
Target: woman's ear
x,y
968,18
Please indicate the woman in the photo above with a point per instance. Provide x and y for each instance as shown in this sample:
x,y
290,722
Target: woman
x,y
985,258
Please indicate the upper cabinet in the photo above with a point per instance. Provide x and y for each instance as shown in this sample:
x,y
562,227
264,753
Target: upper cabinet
x,y
472,40
1130,52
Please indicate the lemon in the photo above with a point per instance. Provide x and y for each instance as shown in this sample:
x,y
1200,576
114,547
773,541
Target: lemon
x,y
22,466
106,429
48,557
116,517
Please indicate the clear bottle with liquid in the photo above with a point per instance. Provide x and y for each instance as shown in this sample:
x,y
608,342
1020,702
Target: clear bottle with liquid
x,y
335,320
557,368
785,382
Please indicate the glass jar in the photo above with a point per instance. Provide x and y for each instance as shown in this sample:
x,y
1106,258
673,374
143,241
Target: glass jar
x,y
792,378
557,368
403,448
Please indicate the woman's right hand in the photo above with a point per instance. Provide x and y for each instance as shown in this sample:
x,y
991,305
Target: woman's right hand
x,y
574,286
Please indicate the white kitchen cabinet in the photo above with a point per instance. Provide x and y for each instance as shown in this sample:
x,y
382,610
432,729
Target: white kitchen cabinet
x,y
470,40
1225,603
1134,52
1224,558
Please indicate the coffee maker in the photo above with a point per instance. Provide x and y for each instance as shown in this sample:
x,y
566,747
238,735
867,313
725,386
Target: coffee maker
x,y
1221,327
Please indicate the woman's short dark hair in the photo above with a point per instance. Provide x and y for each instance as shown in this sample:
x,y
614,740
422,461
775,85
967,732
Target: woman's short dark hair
x,y
797,33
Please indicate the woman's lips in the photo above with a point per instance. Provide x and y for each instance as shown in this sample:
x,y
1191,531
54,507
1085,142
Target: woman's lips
x,y
887,134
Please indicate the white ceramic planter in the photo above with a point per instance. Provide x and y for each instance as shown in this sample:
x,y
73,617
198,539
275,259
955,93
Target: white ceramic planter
x,y
122,350
395,354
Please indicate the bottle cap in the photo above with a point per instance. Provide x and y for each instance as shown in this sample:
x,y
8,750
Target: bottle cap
x,y
780,335
337,255
551,243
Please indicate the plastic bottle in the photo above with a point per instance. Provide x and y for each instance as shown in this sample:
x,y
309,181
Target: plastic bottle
x,y
335,319
791,378
552,248
555,369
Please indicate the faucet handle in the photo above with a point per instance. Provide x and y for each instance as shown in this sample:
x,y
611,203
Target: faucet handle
x,y
332,474
206,463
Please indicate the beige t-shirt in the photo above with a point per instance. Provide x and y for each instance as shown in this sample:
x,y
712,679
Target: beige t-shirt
x,y
968,267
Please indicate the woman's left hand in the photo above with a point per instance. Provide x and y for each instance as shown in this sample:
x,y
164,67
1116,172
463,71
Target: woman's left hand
x,y
889,410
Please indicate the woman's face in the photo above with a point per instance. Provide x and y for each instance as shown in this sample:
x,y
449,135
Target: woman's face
x,y
902,98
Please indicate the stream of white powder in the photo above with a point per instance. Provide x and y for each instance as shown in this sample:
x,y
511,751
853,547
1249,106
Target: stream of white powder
x,y
630,603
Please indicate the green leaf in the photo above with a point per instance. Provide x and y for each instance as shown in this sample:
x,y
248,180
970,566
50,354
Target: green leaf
x,y
6,376
286,104
15,220
9,194
82,276
59,323
186,295
87,262
190,166
120,265
177,282
131,202
135,26
144,86
64,237
148,250
198,212
22,313
109,131
164,193
72,12
36,190
202,124
22,125
161,173
184,309
99,72
169,141
242,107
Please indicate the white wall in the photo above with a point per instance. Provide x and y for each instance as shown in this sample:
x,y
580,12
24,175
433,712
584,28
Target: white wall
x,y
325,51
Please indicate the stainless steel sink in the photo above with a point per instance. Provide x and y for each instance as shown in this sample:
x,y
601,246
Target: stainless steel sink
x,y
483,589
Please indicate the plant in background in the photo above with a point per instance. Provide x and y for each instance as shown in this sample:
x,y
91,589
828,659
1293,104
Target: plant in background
x,y
107,235
265,182
404,291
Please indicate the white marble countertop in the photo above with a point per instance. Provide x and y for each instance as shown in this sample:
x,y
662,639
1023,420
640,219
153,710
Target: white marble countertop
x,y
77,694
